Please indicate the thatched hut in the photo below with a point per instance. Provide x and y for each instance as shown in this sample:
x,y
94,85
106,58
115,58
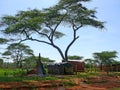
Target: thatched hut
x,y
60,68
78,66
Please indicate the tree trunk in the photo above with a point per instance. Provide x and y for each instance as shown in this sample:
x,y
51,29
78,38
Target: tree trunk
x,y
101,67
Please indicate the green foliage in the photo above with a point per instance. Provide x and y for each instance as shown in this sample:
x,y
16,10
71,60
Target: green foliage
x,y
115,89
23,20
6,53
89,63
45,23
78,14
31,61
75,57
18,51
65,83
88,60
3,40
43,59
1,62
105,57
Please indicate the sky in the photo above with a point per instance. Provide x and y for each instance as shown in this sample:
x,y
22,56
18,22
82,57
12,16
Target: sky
x,y
91,39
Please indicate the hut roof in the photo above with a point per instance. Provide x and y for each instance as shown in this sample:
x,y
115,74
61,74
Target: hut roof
x,y
60,64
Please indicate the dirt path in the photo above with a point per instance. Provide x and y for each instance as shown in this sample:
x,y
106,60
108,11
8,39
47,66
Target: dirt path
x,y
106,82
93,83
38,86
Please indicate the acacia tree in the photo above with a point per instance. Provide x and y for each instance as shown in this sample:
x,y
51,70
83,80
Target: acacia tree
x,y
105,57
28,25
18,52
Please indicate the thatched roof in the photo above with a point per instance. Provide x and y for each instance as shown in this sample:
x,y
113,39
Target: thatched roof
x,y
66,64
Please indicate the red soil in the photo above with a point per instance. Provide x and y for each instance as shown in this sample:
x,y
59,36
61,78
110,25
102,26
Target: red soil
x,y
93,83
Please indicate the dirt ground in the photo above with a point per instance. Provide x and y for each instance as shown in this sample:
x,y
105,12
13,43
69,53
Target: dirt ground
x,y
93,83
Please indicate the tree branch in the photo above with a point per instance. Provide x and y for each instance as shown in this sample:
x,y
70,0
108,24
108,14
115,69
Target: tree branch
x,y
59,50
66,51
41,33
52,44
74,39
35,40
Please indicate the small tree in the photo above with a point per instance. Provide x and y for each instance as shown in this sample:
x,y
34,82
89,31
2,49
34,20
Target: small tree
x,y
105,57
17,52
89,62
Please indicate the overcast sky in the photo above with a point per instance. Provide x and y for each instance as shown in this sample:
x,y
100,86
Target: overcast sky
x,y
91,39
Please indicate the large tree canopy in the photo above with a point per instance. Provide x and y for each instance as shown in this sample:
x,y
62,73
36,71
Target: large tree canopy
x,y
36,25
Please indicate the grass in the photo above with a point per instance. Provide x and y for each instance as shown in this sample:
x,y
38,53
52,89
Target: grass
x,y
115,89
17,75
114,74
9,75
11,72
67,83
87,74
22,79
